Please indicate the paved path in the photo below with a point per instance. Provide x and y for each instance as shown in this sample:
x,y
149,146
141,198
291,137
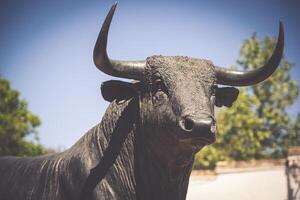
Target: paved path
x,y
255,185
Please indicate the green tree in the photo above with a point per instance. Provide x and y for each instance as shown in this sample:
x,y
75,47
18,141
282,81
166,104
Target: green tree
x,y
16,122
258,124
275,95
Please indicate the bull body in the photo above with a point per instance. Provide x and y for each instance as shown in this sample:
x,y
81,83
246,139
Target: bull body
x,y
61,176
175,97
140,171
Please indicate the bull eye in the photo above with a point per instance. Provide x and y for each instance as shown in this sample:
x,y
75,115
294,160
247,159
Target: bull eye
x,y
159,86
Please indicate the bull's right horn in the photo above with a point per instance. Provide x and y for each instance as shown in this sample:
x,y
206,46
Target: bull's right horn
x,y
123,69
241,78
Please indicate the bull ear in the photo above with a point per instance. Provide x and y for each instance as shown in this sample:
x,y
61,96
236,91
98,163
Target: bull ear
x,y
225,96
118,90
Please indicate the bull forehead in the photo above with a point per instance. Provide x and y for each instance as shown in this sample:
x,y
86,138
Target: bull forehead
x,y
176,70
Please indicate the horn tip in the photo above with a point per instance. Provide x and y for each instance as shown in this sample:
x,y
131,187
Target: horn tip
x,y
115,4
280,24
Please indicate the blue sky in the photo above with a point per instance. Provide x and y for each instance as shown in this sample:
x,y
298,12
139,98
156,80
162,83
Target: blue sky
x,y
46,48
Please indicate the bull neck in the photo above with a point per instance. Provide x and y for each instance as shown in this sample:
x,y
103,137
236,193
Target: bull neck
x,y
155,180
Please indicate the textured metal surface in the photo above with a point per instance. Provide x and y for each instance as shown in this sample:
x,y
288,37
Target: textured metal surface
x,y
61,176
156,159
176,96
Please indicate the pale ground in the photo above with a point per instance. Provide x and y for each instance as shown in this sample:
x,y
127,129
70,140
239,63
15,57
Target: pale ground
x,y
254,185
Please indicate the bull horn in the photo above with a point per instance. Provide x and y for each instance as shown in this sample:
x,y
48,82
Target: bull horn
x,y
241,78
123,69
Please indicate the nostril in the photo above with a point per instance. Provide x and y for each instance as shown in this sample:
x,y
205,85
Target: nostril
x,y
189,124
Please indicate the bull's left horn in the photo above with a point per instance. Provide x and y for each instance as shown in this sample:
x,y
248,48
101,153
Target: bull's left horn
x,y
123,69
240,78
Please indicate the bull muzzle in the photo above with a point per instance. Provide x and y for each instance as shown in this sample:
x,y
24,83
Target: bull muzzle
x,y
203,127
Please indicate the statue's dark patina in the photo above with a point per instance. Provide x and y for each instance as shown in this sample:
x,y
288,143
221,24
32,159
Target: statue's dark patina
x,y
153,128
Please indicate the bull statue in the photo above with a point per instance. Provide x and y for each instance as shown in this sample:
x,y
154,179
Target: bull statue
x,y
149,134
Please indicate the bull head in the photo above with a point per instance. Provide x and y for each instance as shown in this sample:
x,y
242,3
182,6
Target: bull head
x,y
178,94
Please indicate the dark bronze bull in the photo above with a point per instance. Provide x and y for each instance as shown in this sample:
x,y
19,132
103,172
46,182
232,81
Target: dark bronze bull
x,y
154,125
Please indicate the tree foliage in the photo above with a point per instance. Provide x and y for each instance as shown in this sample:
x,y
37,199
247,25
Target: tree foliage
x,y
258,124
16,123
